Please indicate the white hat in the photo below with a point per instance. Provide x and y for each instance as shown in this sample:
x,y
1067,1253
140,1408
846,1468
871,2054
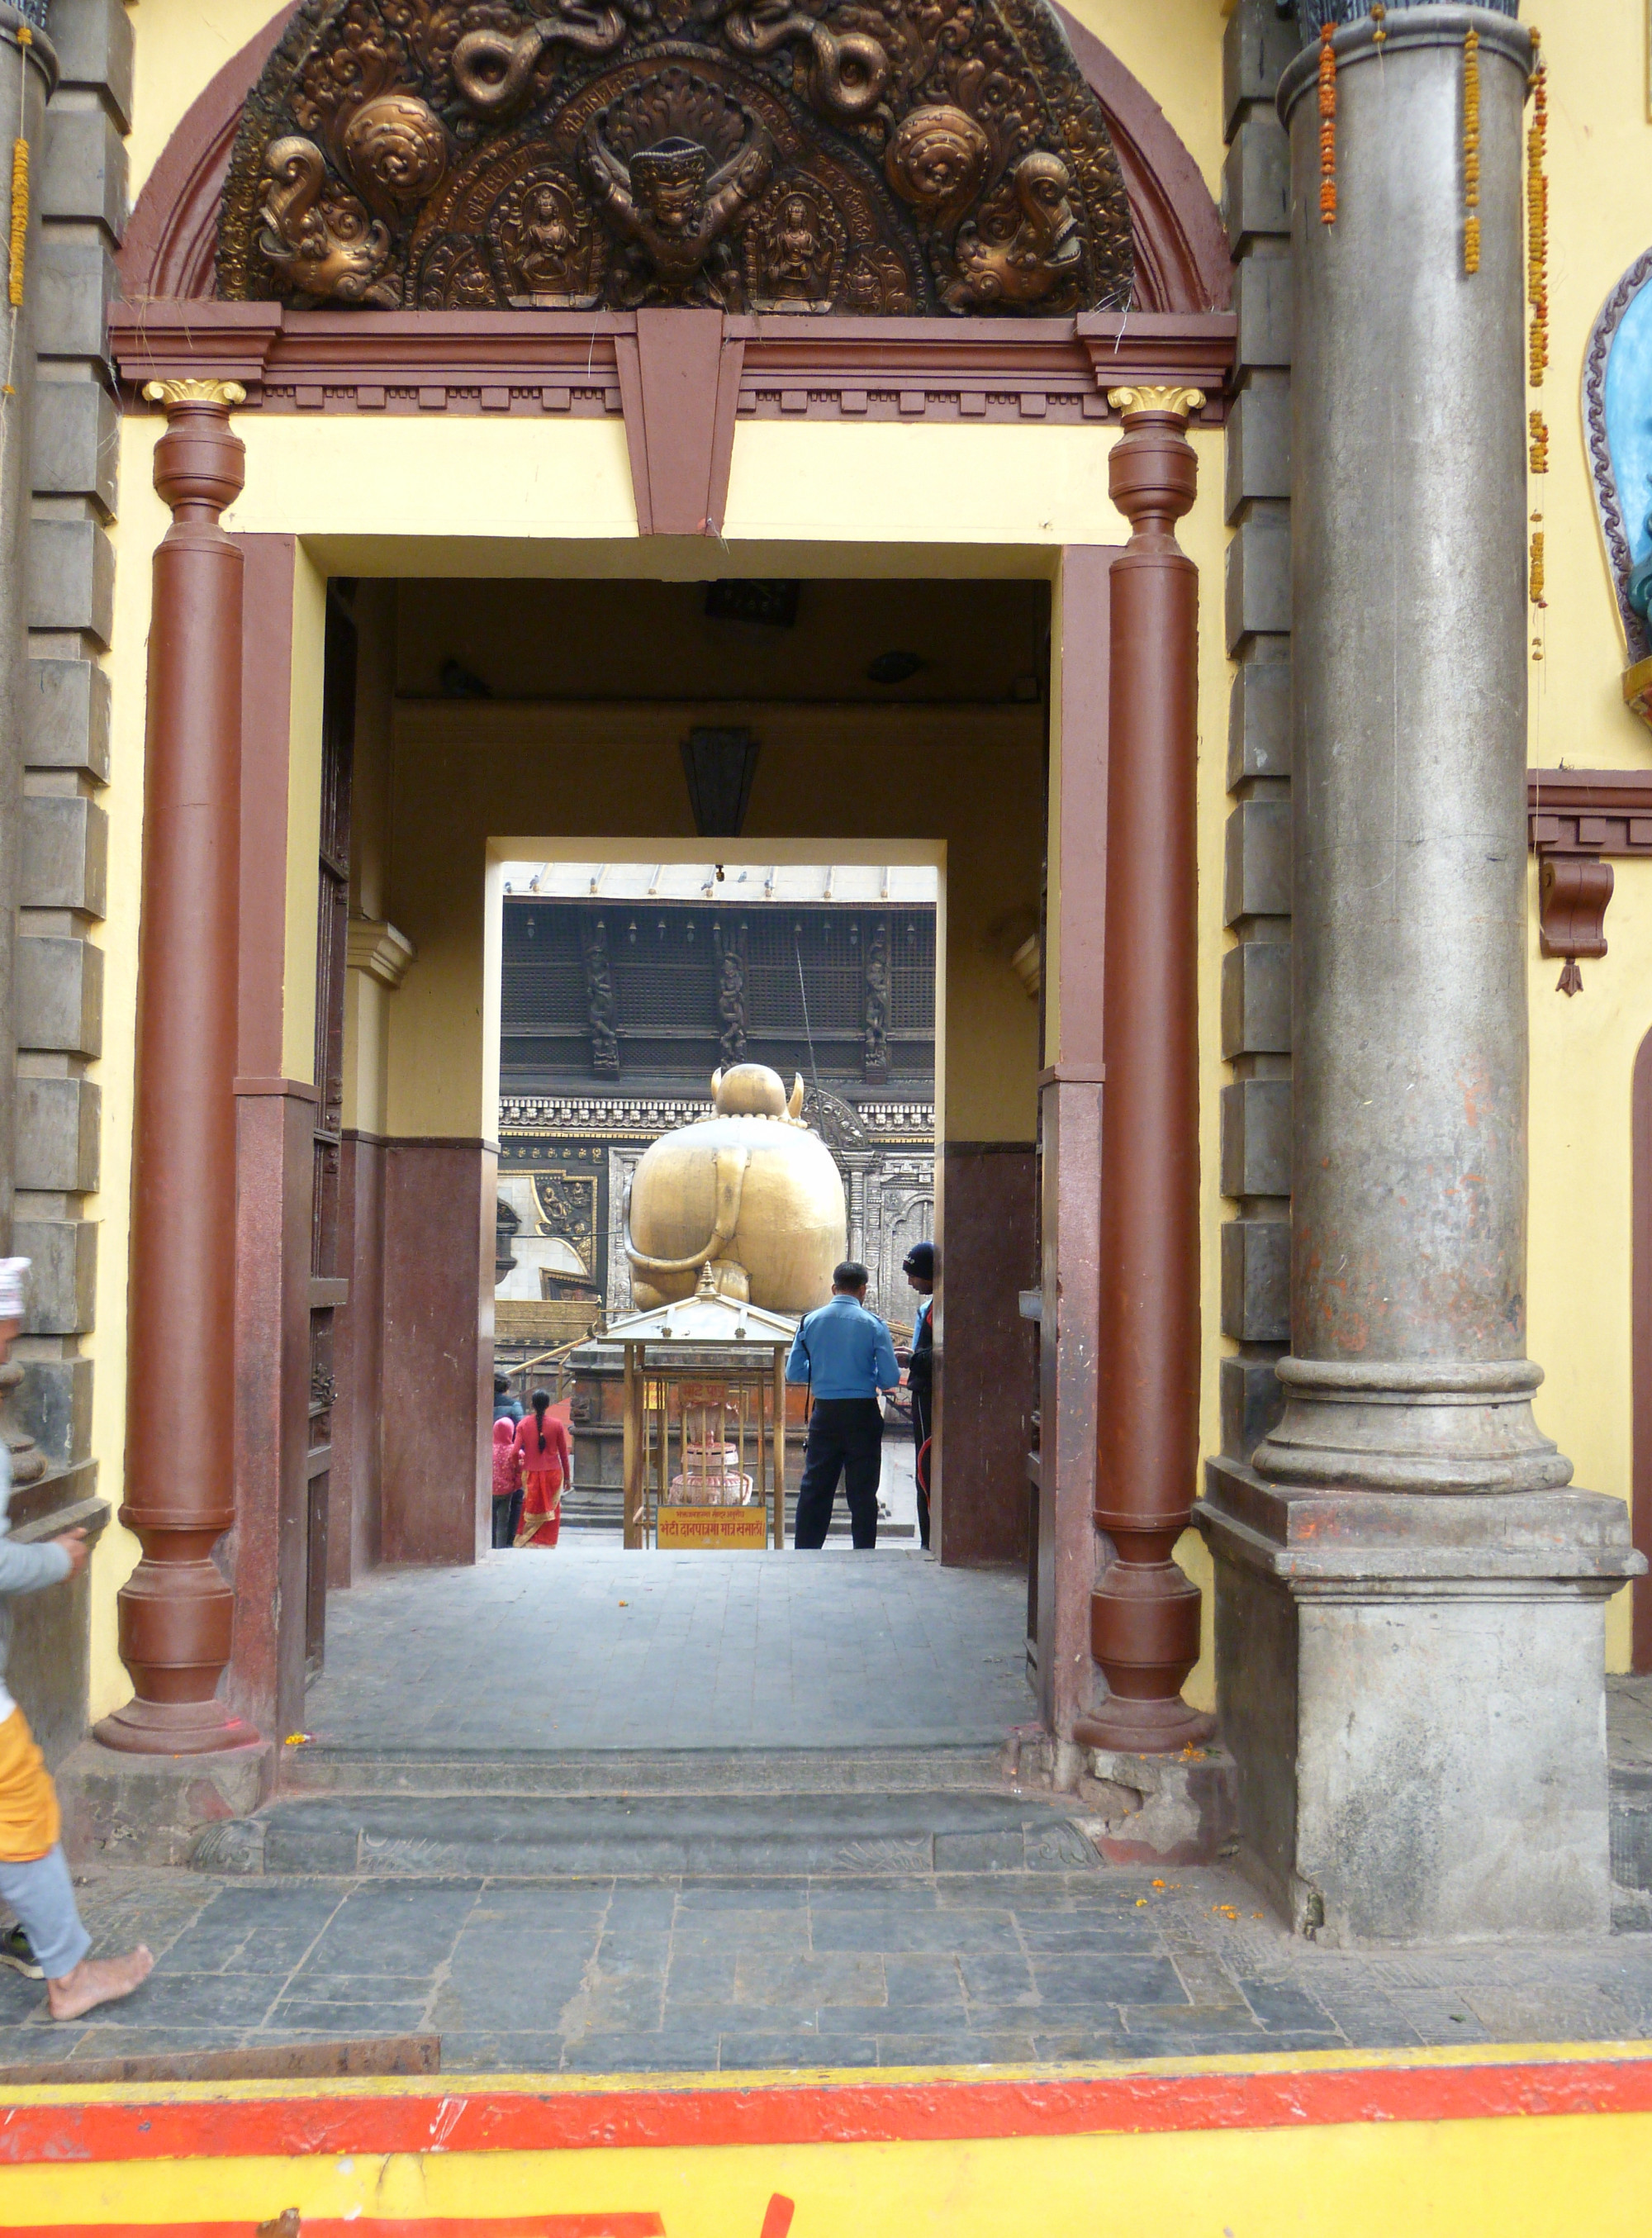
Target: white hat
x,y
11,1274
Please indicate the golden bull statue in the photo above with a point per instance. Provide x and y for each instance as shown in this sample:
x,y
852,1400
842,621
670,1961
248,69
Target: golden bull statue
x,y
749,1202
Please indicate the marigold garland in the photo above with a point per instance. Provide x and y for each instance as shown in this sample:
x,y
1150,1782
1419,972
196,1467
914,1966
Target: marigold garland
x,y
1537,223
1539,429
1536,586
1327,127
1471,150
1378,23
19,240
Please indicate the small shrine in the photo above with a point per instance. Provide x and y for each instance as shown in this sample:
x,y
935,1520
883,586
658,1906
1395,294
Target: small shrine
x,y
704,1421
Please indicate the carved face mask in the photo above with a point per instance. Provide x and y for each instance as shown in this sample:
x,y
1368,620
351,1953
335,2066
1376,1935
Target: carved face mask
x,y
670,182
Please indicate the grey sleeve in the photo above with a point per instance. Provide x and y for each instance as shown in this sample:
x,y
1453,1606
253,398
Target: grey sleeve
x,y
29,1569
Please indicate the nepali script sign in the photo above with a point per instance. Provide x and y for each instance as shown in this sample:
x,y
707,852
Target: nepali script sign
x,y
711,1526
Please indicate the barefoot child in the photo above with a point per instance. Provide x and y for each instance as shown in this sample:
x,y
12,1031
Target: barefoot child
x,y
34,1877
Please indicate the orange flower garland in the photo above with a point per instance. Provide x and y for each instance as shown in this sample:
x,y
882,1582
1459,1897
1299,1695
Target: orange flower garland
x,y
1537,223
1471,150
19,240
1327,128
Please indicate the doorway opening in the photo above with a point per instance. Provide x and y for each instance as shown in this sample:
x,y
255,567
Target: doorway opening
x,y
625,990
840,785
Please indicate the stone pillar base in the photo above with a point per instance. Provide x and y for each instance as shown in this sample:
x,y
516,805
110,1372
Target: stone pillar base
x,y
1413,1689
125,1809
1154,1810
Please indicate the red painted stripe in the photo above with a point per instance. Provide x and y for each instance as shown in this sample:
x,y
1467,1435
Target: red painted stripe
x,y
373,2226
786,2113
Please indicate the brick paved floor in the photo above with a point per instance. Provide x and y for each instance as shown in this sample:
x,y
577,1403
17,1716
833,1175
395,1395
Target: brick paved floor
x,y
632,1977
588,1646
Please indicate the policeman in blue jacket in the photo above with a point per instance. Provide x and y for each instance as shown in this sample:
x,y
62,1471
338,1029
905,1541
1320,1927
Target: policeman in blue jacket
x,y
844,1354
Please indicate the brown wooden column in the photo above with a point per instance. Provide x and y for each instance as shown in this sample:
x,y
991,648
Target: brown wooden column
x,y
176,1611
1144,1613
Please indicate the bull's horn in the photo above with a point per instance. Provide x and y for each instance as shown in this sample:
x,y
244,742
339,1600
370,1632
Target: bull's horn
x,y
795,1106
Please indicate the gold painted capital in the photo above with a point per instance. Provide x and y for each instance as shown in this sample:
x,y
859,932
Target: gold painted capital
x,y
171,393
1178,402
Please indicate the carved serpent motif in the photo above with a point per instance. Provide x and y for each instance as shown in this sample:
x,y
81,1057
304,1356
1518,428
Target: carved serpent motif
x,y
495,72
851,70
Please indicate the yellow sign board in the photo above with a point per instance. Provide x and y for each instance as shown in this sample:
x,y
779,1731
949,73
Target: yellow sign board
x,y
1526,2142
711,1526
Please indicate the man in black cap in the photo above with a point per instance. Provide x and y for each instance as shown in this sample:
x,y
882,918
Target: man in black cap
x,y
919,1269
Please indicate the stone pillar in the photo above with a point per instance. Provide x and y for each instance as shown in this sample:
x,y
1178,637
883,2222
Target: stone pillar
x,y
176,1611
27,74
1144,1613
1410,1629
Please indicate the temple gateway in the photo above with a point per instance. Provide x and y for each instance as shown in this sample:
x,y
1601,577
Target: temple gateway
x,y
1128,510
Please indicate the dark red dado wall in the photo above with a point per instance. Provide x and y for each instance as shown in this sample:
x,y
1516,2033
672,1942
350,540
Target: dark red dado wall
x,y
355,1532
438,1359
984,1385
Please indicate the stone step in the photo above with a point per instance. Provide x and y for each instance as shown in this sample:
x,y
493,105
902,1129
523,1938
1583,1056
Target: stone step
x,y
948,1768
558,1837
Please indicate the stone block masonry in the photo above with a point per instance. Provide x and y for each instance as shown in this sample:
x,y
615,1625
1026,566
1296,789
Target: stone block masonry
x,y
1255,972
69,582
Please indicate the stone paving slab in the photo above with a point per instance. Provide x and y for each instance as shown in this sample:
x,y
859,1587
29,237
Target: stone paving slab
x,y
616,1977
590,1647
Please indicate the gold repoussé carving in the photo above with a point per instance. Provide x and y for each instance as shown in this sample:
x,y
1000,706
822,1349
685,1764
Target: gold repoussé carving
x,y
883,156
173,393
1179,402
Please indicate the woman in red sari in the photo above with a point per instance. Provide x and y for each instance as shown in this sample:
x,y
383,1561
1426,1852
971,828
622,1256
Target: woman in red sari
x,y
547,1467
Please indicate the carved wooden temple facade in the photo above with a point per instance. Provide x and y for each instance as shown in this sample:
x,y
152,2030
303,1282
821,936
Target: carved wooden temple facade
x,y
1213,515
617,1006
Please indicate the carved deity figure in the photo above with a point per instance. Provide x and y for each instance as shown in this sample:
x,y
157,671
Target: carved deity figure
x,y
543,246
800,256
678,214
548,239
599,1002
731,1006
875,1040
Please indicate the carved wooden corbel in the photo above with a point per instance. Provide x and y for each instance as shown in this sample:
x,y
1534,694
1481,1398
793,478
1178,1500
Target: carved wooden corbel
x,y
1572,894
1574,818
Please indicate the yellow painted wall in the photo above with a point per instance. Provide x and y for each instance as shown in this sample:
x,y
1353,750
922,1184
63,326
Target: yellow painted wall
x,y
1600,156
303,819
1174,48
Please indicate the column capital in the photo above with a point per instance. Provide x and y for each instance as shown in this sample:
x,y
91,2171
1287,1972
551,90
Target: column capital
x,y
1157,401
1152,472
172,394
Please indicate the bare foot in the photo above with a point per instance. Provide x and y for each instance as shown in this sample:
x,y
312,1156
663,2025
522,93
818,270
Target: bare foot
x,y
98,1982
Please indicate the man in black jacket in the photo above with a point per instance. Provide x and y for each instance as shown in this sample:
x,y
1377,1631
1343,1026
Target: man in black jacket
x,y
919,1269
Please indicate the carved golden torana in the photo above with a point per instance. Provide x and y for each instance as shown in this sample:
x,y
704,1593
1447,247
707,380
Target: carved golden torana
x,y
897,156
